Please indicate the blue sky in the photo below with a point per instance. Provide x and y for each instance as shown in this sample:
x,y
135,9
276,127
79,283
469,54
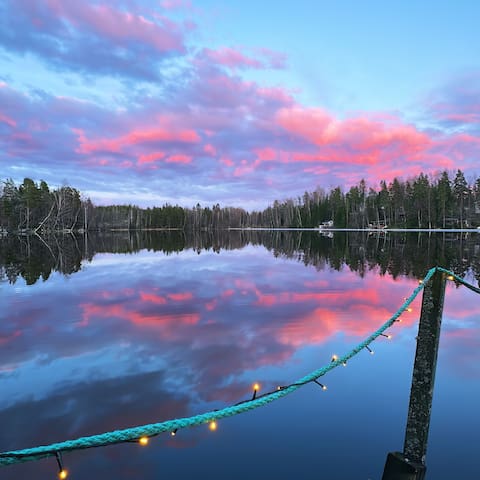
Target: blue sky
x,y
240,103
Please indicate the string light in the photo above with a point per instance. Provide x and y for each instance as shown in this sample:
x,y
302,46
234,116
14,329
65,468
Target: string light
x,y
256,388
344,363
321,385
143,441
173,432
420,282
62,473
7,458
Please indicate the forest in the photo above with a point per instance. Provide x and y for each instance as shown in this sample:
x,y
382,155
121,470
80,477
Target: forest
x,y
425,201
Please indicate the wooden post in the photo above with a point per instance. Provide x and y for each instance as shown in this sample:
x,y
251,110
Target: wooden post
x,y
410,465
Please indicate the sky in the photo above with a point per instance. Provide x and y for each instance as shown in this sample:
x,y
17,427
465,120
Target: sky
x,y
239,103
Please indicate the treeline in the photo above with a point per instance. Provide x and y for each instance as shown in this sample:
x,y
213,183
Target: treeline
x,y
36,208
420,202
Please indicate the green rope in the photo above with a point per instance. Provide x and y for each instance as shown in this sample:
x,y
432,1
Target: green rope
x,y
134,433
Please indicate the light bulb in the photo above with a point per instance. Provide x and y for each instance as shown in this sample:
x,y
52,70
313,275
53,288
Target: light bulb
x,y
143,441
62,474
212,425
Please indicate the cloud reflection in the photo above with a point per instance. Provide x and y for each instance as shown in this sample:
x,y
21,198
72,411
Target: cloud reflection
x,y
122,343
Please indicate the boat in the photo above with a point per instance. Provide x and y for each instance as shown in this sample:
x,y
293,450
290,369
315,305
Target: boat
x,y
326,225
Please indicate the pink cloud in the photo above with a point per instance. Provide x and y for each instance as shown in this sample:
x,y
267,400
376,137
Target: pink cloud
x,y
176,4
227,161
266,154
120,26
4,339
235,58
181,296
9,121
356,134
179,159
135,137
210,149
231,58
153,298
275,59
150,157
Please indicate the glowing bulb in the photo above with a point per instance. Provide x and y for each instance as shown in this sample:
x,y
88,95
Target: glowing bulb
x,y
321,385
334,358
420,282
409,309
212,425
143,441
389,337
369,349
279,387
173,432
451,277
256,387
344,364
62,474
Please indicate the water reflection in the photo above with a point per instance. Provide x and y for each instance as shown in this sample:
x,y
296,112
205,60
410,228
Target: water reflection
x,y
135,338
34,257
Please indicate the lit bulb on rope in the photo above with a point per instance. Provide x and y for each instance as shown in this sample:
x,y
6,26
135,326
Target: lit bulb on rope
x,y
334,358
344,363
143,441
321,385
389,337
212,425
450,277
173,432
369,349
256,388
409,309
420,282
62,473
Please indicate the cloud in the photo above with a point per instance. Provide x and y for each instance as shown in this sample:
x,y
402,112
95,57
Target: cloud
x,y
90,37
456,105
203,132
235,58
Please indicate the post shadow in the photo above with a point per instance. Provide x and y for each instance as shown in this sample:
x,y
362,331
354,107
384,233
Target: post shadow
x,y
410,464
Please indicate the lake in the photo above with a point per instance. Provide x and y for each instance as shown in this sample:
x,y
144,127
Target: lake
x,y
120,329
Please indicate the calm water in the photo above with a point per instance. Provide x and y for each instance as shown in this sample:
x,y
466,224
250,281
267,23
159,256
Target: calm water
x,y
125,330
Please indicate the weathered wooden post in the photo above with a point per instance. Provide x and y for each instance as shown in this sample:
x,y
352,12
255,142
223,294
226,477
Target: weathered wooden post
x,y
410,464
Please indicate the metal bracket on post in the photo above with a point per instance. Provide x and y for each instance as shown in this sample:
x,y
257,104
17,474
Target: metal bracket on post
x,y
410,465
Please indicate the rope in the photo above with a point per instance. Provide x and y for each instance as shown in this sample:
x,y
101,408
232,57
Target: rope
x,y
150,430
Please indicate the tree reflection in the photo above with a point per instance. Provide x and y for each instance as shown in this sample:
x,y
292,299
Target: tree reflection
x,y
411,254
